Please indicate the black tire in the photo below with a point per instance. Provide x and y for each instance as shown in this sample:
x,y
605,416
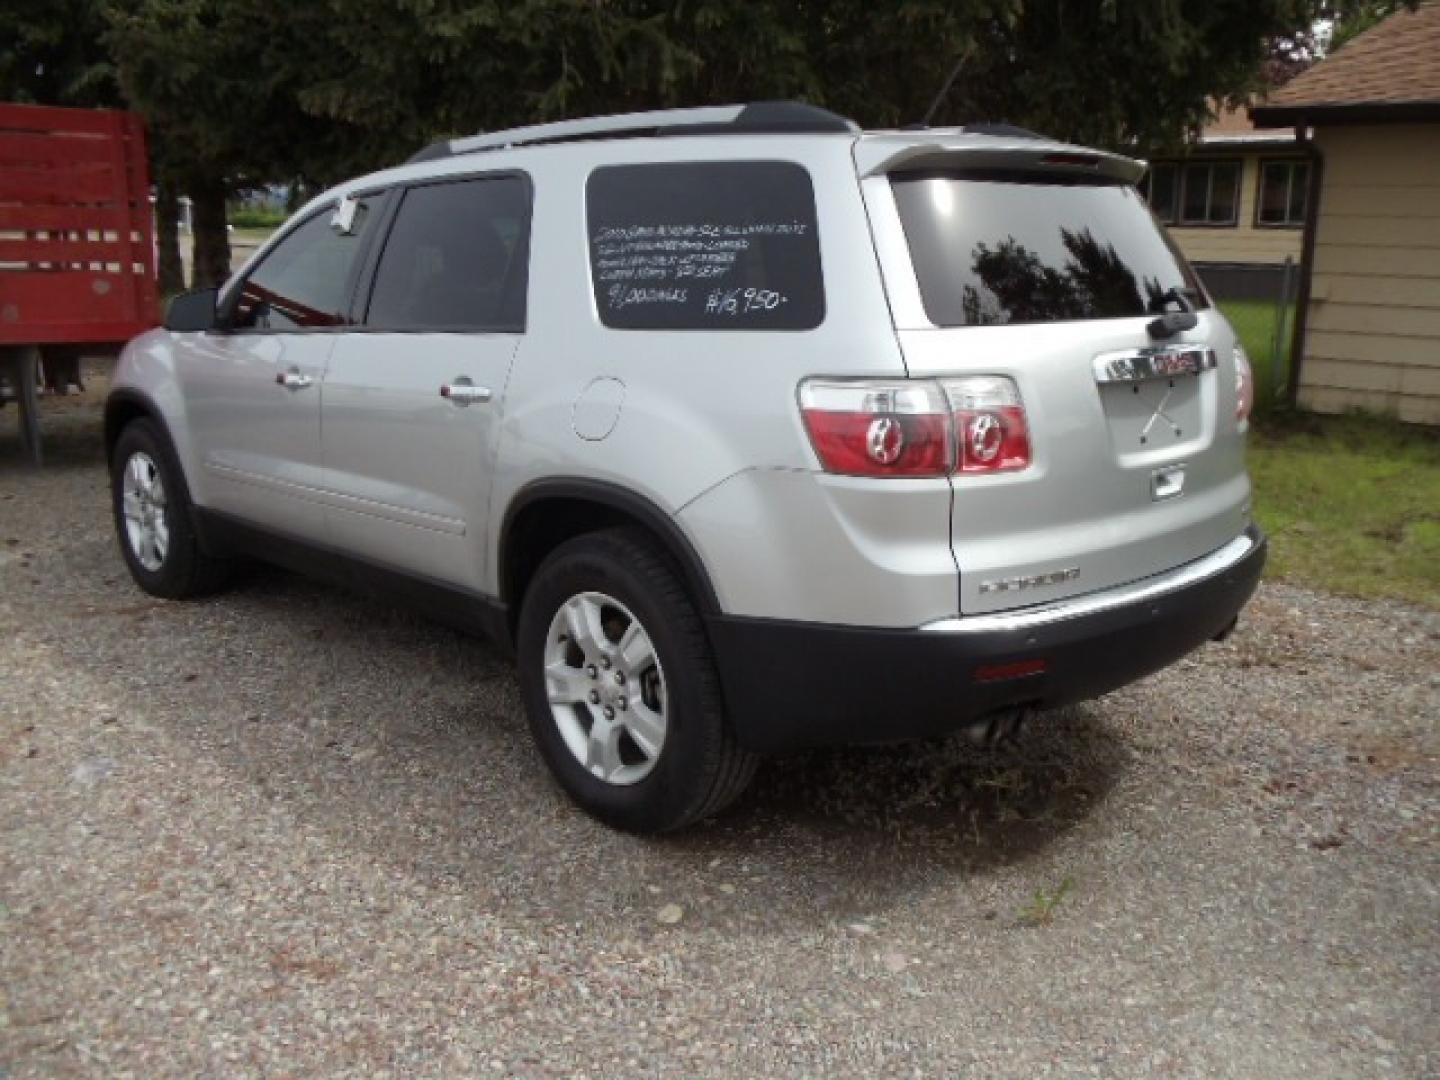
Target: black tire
x,y
185,570
700,768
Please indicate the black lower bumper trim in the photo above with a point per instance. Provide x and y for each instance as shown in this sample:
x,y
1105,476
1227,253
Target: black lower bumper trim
x,y
790,684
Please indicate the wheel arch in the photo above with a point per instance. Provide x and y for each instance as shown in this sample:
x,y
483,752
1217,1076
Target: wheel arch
x,y
123,407
546,513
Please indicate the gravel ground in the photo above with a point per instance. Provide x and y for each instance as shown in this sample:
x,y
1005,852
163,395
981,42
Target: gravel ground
x,y
287,831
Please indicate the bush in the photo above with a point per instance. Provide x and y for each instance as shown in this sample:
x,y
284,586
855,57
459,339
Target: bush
x,y
242,217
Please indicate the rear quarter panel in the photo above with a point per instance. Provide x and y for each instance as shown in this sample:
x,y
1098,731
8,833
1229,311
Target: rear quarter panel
x,y
700,407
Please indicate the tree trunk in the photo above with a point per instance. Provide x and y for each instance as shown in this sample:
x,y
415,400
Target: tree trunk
x,y
212,240
170,270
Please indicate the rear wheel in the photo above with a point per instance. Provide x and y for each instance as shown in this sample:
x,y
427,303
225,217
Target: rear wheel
x,y
620,687
152,518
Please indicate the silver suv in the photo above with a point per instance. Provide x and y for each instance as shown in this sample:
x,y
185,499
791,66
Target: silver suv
x,y
745,429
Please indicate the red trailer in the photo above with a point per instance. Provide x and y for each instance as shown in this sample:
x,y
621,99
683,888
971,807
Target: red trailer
x,y
77,243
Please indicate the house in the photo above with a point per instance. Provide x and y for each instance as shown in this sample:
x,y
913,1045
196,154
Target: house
x,y
1367,332
1235,202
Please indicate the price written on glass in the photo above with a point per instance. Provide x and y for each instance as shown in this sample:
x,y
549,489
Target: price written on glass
x,y
743,301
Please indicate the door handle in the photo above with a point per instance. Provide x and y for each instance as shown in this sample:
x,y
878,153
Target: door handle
x,y
292,380
464,392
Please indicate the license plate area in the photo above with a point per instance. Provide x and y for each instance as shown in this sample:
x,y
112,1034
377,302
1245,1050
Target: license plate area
x,y
1156,362
1154,399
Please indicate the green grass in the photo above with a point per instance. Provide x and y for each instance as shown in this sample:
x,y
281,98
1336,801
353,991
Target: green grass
x,y
247,218
1254,321
1351,503
1040,911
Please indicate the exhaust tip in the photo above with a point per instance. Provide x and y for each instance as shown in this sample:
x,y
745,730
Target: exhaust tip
x,y
1000,728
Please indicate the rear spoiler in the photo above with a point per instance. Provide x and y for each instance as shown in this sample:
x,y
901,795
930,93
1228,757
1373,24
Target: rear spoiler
x,y
911,150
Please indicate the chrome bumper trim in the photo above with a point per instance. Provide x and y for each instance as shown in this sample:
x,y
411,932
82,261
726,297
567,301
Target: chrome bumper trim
x,y
1217,562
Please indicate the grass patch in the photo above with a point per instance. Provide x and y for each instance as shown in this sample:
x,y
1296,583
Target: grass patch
x,y
257,218
1254,321
1351,503
1040,911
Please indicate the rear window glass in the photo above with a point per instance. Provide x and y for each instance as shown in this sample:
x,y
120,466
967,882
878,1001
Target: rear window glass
x,y
455,258
991,250
705,246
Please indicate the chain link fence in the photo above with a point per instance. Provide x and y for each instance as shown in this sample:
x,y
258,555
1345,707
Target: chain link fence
x,y
1259,301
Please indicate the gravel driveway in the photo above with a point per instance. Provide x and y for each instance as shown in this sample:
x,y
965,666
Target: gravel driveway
x,y
288,832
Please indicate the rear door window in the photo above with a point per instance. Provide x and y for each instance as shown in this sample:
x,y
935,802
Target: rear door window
x,y
456,258
992,249
705,246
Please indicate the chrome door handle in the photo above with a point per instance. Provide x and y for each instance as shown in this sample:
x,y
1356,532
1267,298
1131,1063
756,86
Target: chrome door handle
x,y
292,380
463,392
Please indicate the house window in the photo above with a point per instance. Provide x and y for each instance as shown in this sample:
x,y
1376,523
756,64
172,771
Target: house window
x,y
1284,189
1194,193
1160,188
1210,193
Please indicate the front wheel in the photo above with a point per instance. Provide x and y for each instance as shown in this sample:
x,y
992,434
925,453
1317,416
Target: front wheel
x,y
621,689
152,518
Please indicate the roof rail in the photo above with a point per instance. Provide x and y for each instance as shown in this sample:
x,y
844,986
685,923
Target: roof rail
x,y
759,117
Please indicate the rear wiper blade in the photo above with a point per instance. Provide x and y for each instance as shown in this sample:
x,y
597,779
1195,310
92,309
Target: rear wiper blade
x,y
1171,323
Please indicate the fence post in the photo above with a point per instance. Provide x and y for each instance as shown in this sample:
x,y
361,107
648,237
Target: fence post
x,y
1282,308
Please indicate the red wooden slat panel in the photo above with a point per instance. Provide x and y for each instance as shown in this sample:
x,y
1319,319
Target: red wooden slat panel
x,y
23,148
44,249
79,297
88,183
32,218
50,185
70,333
43,118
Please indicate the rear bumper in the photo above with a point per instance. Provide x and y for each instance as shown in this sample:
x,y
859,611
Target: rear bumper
x,y
792,684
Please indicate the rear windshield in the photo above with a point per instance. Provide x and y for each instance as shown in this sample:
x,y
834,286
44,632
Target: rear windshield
x,y
994,248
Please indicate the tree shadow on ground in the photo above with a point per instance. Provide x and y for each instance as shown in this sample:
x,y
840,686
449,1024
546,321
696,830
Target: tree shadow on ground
x,y
433,770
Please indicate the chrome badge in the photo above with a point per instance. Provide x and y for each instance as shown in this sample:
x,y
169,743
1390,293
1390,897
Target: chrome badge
x,y
1030,581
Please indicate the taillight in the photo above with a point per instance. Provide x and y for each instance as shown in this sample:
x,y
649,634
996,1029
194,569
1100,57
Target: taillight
x,y
1244,386
878,428
970,425
990,424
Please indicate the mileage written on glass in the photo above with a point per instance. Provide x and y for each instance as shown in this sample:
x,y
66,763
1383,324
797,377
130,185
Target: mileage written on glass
x,y
705,246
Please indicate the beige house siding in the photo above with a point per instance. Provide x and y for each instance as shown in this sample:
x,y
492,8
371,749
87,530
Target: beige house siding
x,y
1373,335
1242,242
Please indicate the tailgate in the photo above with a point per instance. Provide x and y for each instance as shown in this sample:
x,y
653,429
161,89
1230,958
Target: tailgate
x,y
1128,478
1053,280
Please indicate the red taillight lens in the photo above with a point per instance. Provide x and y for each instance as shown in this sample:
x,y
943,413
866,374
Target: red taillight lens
x,y
974,424
878,429
990,423
1244,386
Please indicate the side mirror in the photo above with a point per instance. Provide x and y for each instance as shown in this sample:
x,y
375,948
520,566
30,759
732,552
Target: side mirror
x,y
192,311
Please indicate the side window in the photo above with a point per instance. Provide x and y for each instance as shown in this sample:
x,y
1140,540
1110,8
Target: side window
x,y
1211,193
303,282
456,258
1160,189
705,246
1284,186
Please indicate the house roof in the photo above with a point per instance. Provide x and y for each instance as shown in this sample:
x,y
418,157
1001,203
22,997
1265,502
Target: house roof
x,y
1232,127
1388,73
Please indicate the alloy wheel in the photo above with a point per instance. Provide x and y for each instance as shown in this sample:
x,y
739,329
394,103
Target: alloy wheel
x,y
606,688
